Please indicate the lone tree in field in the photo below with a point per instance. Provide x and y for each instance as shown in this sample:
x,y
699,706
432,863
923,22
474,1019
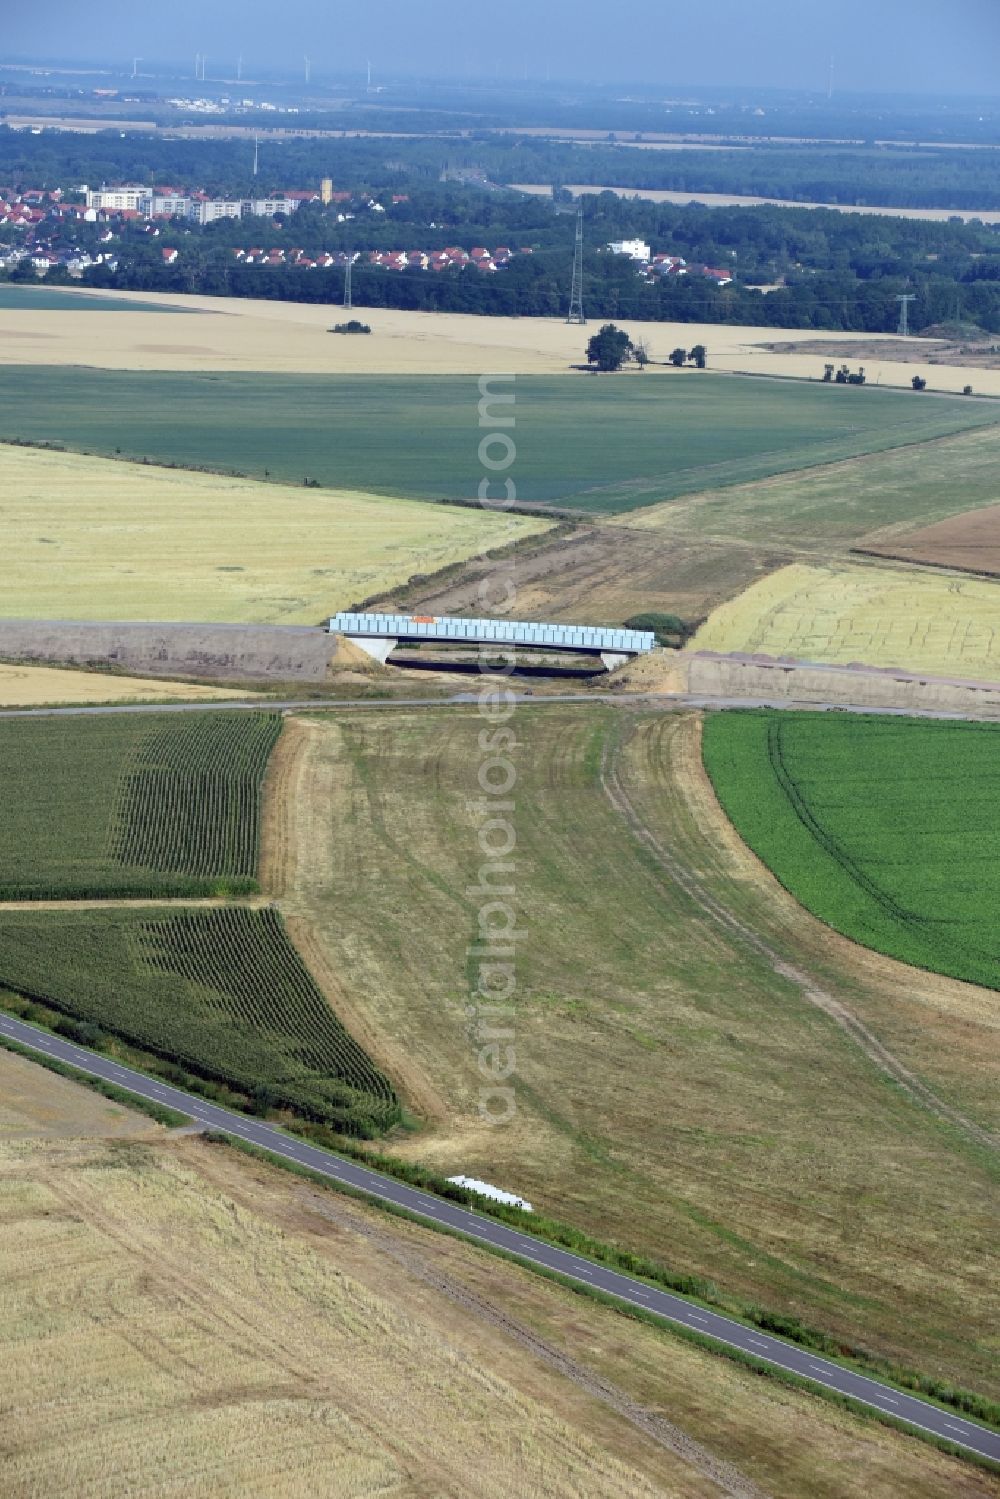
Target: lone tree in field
x,y
699,356
609,348
678,357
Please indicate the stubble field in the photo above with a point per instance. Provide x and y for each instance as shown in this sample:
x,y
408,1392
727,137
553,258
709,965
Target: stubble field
x,y
883,616
253,1333
293,338
675,1091
41,686
86,538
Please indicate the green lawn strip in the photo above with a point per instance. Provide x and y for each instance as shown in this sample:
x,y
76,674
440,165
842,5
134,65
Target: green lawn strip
x,y
52,299
170,1117
638,1314
596,446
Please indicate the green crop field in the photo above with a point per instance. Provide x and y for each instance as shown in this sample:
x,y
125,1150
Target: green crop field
x,y
886,829
221,991
589,444
119,805
49,299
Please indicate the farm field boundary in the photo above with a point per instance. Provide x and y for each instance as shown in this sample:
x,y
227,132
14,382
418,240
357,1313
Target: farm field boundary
x,y
258,335
720,1333
623,1003
196,546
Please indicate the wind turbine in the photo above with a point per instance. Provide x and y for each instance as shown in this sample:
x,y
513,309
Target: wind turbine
x,y
135,66
239,68
308,63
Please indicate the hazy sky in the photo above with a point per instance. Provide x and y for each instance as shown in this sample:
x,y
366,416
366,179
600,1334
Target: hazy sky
x,y
950,46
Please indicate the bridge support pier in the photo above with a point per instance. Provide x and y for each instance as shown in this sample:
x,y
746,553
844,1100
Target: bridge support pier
x,y
612,659
378,647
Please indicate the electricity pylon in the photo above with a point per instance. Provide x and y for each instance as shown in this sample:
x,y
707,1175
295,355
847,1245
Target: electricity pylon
x,y
575,314
904,301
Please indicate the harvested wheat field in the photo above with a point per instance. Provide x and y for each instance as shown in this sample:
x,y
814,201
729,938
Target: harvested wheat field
x,y
180,1319
880,616
39,686
37,1103
968,543
243,334
91,538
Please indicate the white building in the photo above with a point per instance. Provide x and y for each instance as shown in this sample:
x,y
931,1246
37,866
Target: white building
x,y
128,198
208,210
169,204
635,249
266,208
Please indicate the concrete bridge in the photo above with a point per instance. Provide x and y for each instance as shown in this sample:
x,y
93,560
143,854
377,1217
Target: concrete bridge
x,y
378,634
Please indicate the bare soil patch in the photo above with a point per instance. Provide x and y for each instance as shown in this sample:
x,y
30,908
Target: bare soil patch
x,y
603,574
967,543
975,355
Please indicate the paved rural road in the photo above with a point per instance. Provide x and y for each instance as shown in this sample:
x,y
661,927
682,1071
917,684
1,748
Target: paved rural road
x,y
946,1424
635,699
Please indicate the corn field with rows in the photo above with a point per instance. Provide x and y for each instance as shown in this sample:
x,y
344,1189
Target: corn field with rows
x,y
222,992
132,805
190,804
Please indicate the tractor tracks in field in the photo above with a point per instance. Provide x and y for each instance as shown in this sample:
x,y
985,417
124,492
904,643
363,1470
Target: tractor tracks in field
x,y
728,1479
722,917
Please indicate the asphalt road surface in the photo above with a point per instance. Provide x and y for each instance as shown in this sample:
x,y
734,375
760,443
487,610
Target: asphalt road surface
x,y
811,1366
623,699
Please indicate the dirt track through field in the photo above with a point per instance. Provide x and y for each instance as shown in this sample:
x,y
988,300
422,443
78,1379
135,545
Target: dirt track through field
x,y
716,911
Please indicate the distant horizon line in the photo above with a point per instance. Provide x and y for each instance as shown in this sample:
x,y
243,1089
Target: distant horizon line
x,y
291,73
